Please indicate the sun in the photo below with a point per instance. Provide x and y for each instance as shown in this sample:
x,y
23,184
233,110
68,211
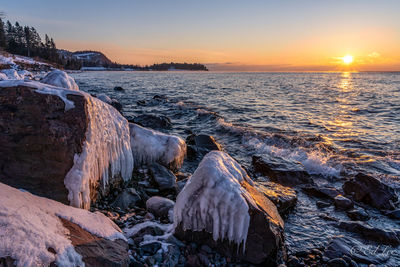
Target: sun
x,y
347,59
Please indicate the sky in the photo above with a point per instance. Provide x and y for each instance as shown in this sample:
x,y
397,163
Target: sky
x,y
224,35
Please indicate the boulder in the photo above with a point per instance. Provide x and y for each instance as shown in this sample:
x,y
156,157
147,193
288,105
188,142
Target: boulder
x,y
203,143
36,231
283,197
111,101
60,79
220,207
161,207
358,214
157,122
280,170
118,88
343,203
127,199
162,177
52,137
321,192
367,189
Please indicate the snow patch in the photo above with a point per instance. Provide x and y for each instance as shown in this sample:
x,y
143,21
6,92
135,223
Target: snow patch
x,y
11,74
61,79
152,146
106,153
30,225
214,200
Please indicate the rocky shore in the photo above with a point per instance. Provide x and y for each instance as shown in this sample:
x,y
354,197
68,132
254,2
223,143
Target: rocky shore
x,y
80,184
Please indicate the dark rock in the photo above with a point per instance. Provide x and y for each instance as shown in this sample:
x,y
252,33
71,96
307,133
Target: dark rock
x,y
171,257
358,214
160,206
204,260
323,204
203,142
280,170
116,104
97,251
153,121
338,262
118,88
153,230
206,249
150,248
135,263
7,262
127,199
320,192
193,261
367,189
293,262
179,185
395,214
343,203
160,97
370,233
283,197
163,178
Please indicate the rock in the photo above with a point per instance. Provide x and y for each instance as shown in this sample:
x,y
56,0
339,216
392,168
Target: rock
x,y
321,192
150,248
153,121
113,102
280,170
343,203
338,262
160,98
358,214
160,206
179,185
293,261
61,79
116,104
395,214
221,194
367,189
203,143
118,88
10,74
370,233
171,257
44,131
127,199
162,177
340,246
283,197
193,261
323,204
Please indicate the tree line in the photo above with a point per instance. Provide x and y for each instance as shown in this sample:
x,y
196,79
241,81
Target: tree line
x,y
26,41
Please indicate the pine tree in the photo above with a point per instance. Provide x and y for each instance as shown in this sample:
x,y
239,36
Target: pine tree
x,y
3,41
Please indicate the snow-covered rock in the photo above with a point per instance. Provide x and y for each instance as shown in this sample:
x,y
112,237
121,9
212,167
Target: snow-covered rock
x,y
220,207
3,77
12,74
161,207
61,79
36,231
61,144
24,74
150,146
111,101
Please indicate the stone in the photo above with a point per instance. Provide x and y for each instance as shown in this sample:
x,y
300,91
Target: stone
x,y
395,214
338,262
157,122
150,248
343,203
283,197
204,143
162,177
358,214
179,185
127,199
323,204
160,206
320,192
369,190
171,257
280,170
118,88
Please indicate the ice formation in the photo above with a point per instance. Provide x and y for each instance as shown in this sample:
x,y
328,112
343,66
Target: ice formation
x,y
214,200
3,77
106,153
61,79
24,74
30,225
11,74
153,146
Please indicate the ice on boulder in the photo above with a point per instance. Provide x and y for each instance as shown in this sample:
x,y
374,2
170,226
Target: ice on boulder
x,y
106,153
31,225
214,200
105,98
150,146
60,79
11,74
24,74
3,77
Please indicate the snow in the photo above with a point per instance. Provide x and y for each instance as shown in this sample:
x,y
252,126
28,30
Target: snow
x,y
61,79
152,146
106,153
214,200
24,74
30,225
13,60
11,74
3,77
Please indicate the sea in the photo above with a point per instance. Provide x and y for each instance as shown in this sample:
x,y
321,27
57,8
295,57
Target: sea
x,y
334,124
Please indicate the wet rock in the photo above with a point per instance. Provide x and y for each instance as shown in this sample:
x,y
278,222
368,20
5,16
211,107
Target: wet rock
x,y
193,260
338,262
150,248
323,204
367,189
161,207
283,197
162,177
280,170
343,203
179,185
118,88
171,257
293,262
127,199
153,121
370,233
321,192
203,142
160,97
395,214
358,214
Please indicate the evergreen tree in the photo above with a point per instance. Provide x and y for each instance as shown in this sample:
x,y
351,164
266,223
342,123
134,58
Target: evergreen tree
x,y
3,41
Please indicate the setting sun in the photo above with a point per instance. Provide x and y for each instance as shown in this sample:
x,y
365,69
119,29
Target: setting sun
x,y
347,59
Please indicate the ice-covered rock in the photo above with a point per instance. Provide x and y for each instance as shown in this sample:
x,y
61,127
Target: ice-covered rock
x,y
3,77
61,144
220,207
24,74
61,79
111,101
150,146
36,231
11,74
161,207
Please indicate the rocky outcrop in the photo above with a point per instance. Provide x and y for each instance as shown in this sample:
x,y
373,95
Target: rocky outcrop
x,y
367,189
280,170
220,207
283,197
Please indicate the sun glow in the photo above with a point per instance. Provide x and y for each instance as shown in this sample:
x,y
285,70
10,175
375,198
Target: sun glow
x,y
347,59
